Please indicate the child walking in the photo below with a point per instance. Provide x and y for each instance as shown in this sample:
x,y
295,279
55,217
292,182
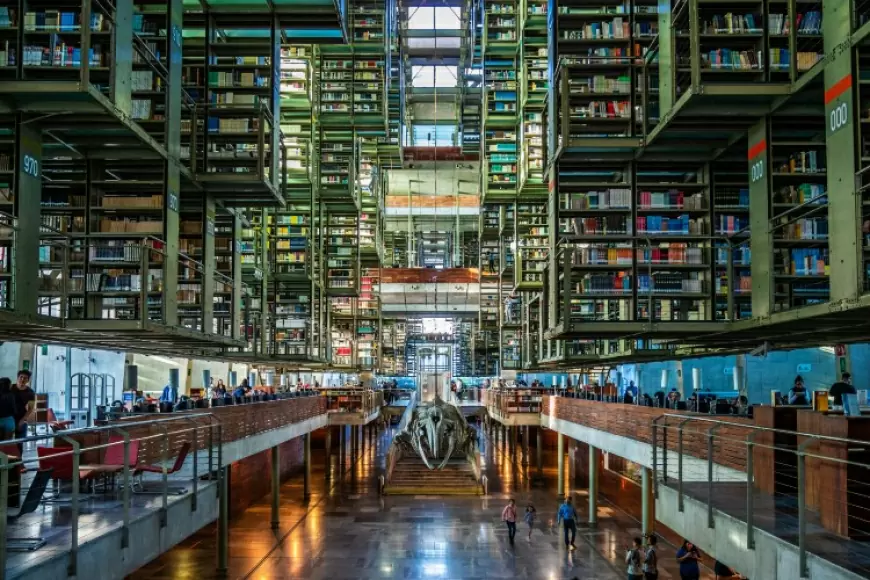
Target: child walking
x,y
530,517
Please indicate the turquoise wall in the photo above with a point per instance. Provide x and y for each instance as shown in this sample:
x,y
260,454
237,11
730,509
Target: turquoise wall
x,y
774,372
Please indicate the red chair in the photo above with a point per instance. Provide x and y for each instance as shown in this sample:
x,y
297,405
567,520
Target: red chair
x,y
60,461
56,425
115,452
176,467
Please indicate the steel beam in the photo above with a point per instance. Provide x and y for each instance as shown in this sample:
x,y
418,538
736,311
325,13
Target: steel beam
x,y
844,206
761,242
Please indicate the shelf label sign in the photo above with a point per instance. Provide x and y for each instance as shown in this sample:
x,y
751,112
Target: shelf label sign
x,y
31,153
173,201
757,160
30,165
837,105
209,227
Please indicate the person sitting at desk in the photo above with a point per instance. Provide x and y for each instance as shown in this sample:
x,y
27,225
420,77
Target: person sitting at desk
x,y
842,387
241,391
673,398
798,394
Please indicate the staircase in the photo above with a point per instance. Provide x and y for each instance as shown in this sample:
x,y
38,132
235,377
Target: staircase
x,y
412,477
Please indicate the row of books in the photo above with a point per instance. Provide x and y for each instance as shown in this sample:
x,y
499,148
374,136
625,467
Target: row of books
x,y
616,28
604,199
808,262
743,284
600,84
742,256
603,110
780,59
616,255
671,199
673,309
806,229
671,283
610,225
61,55
51,20
731,199
813,193
237,79
619,282
682,224
671,254
729,224
802,162
730,24
142,226
726,58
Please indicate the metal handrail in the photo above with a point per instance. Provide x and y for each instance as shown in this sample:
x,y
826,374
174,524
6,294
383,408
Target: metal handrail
x,y
76,449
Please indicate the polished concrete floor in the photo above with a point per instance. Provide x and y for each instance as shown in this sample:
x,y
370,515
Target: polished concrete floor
x,y
347,531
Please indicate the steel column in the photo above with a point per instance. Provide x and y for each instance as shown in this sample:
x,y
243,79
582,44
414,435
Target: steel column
x,y
761,241
647,501
561,456
223,538
172,176
276,487
209,265
27,210
306,483
844,207
593,485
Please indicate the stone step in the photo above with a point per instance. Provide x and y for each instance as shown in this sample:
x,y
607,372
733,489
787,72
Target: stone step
x,y
393,489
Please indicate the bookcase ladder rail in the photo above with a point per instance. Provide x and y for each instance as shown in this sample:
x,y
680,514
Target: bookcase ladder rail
x,y
649,59
9,236
54,283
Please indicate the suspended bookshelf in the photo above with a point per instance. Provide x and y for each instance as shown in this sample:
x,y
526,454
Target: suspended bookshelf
x,y
533,86
291,313
532,338
224,250
673,279
190,277
241,106
51,43
799,212
793,51
290,236
342,332
532,235
342,255
368,321
732,274
296,116
500,99
511,347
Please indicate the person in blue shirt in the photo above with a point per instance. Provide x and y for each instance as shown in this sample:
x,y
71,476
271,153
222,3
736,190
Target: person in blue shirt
x,y
241,391
567,516
169,395
688,557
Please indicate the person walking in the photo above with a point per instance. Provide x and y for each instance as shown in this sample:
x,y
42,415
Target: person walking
x,y
651,560
8,409
567,516
634,560
689,558
530,517
509,516
25,407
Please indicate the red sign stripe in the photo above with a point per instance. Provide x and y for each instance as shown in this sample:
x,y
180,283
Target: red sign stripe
x,y
757,149
840,87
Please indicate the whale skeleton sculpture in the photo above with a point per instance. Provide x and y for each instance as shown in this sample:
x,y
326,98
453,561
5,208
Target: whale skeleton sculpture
x,y
437,430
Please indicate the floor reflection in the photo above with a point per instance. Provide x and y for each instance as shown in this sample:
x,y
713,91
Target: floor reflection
x,y
347,531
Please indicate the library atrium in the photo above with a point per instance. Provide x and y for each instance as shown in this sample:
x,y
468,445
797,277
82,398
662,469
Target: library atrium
x,y
335,289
